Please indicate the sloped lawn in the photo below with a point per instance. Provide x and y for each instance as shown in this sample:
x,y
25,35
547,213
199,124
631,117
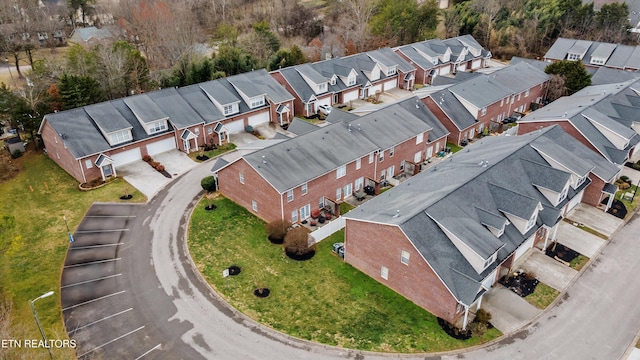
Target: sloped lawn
x,y
33,243
322,299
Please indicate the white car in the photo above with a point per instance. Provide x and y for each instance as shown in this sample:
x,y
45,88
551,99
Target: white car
x,y
324,109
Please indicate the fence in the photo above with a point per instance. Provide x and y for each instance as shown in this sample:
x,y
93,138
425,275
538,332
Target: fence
x,y
326,230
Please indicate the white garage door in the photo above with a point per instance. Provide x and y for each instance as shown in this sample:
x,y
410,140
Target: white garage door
x,y
524,247
444,70
476,64
235,127
390,84
575,201
462,67
324,101
126,157
374,89
351,95
259,119
161,146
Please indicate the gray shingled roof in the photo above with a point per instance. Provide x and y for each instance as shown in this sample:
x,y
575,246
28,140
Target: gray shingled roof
x,y
144,108
454,109
259,82
393,58
75,128
107,117
559,49
223,95
463,196
199,101
175,107
299,85
312,74
519,77
300,127
416,58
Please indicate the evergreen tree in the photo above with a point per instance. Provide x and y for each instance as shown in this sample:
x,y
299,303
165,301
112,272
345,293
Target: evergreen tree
x,y
574,74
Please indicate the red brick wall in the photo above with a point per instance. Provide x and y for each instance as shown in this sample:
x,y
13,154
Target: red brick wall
x,y
370,246
454,133
254,188
421,77
507,108
524,128
59,154
593,192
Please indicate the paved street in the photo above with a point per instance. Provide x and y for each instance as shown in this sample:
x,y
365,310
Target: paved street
x,y
186,320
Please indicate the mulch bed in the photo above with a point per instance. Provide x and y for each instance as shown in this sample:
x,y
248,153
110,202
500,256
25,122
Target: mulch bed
x,y
165,173
126,197
454,331
561,252
520,284
300,257
275,240
234,270
262,292
210,207
202,157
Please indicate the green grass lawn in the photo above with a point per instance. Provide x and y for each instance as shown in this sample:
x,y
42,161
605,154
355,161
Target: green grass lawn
x,y
630,205
454,148
345,207
542,296
33,243
323,299
578,262
213,153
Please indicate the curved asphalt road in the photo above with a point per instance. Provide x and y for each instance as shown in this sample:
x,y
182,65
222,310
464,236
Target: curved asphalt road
x,y
597,318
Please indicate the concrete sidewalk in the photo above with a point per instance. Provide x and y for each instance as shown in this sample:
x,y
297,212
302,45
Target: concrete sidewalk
x,y
595,218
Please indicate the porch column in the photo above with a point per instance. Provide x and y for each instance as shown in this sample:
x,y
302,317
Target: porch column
x,y
610,202
546,239
479,303
102,173
113,168
466,317
196,140
555,232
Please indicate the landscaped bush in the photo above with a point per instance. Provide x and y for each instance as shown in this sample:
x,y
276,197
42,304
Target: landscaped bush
x,y
160,167
147,158
16,154
277,229
248,129
208,183
296,244
154,164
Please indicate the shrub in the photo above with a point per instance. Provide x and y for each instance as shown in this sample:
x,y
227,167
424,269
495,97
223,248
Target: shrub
x,y
277,230
154,164
483,316
624,178
208,183
16,154
248,129
147,158
160,167
624,186
296,242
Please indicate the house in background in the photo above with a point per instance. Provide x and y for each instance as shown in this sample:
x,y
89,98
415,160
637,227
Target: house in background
x,y
90,35
481,102
93,141
341,80
595,54
321,167
445,236
603,118
437,57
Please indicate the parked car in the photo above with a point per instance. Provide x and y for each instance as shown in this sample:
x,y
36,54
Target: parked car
x,y
324,109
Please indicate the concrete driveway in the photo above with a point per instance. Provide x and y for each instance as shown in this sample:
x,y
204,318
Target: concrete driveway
x,y
579,240
548,270
149,181
594,218
509,311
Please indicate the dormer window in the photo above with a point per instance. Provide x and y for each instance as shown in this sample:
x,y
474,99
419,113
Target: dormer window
x,y
322,87
580,180
120,137
351,81
489,261
531,222
573,57
157,127
391,71
563,194
230,109
255,102
333,80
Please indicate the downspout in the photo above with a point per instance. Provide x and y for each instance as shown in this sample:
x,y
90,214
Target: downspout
x,y
84,178
466,317
282,206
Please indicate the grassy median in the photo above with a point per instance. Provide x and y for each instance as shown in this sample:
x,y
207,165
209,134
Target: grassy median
x,y
322,299
33,244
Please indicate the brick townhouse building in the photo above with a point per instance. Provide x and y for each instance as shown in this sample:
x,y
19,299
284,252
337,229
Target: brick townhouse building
x,y
321,167
445,236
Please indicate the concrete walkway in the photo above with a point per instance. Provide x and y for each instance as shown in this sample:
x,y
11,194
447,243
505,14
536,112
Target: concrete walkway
x,y
634,175
508,310
579,240
548,270
594,218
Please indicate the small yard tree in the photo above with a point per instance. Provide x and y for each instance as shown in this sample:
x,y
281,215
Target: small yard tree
x,y
208,183
277,229
296,244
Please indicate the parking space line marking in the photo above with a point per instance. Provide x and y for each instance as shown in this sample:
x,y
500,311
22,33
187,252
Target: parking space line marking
x,y
92,300
97,321
109,342
88,281
110,216
99,231
93,246
145,354
92,263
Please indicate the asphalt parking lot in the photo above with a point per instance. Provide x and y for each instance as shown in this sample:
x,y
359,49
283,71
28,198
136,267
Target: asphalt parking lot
x,y
98,313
